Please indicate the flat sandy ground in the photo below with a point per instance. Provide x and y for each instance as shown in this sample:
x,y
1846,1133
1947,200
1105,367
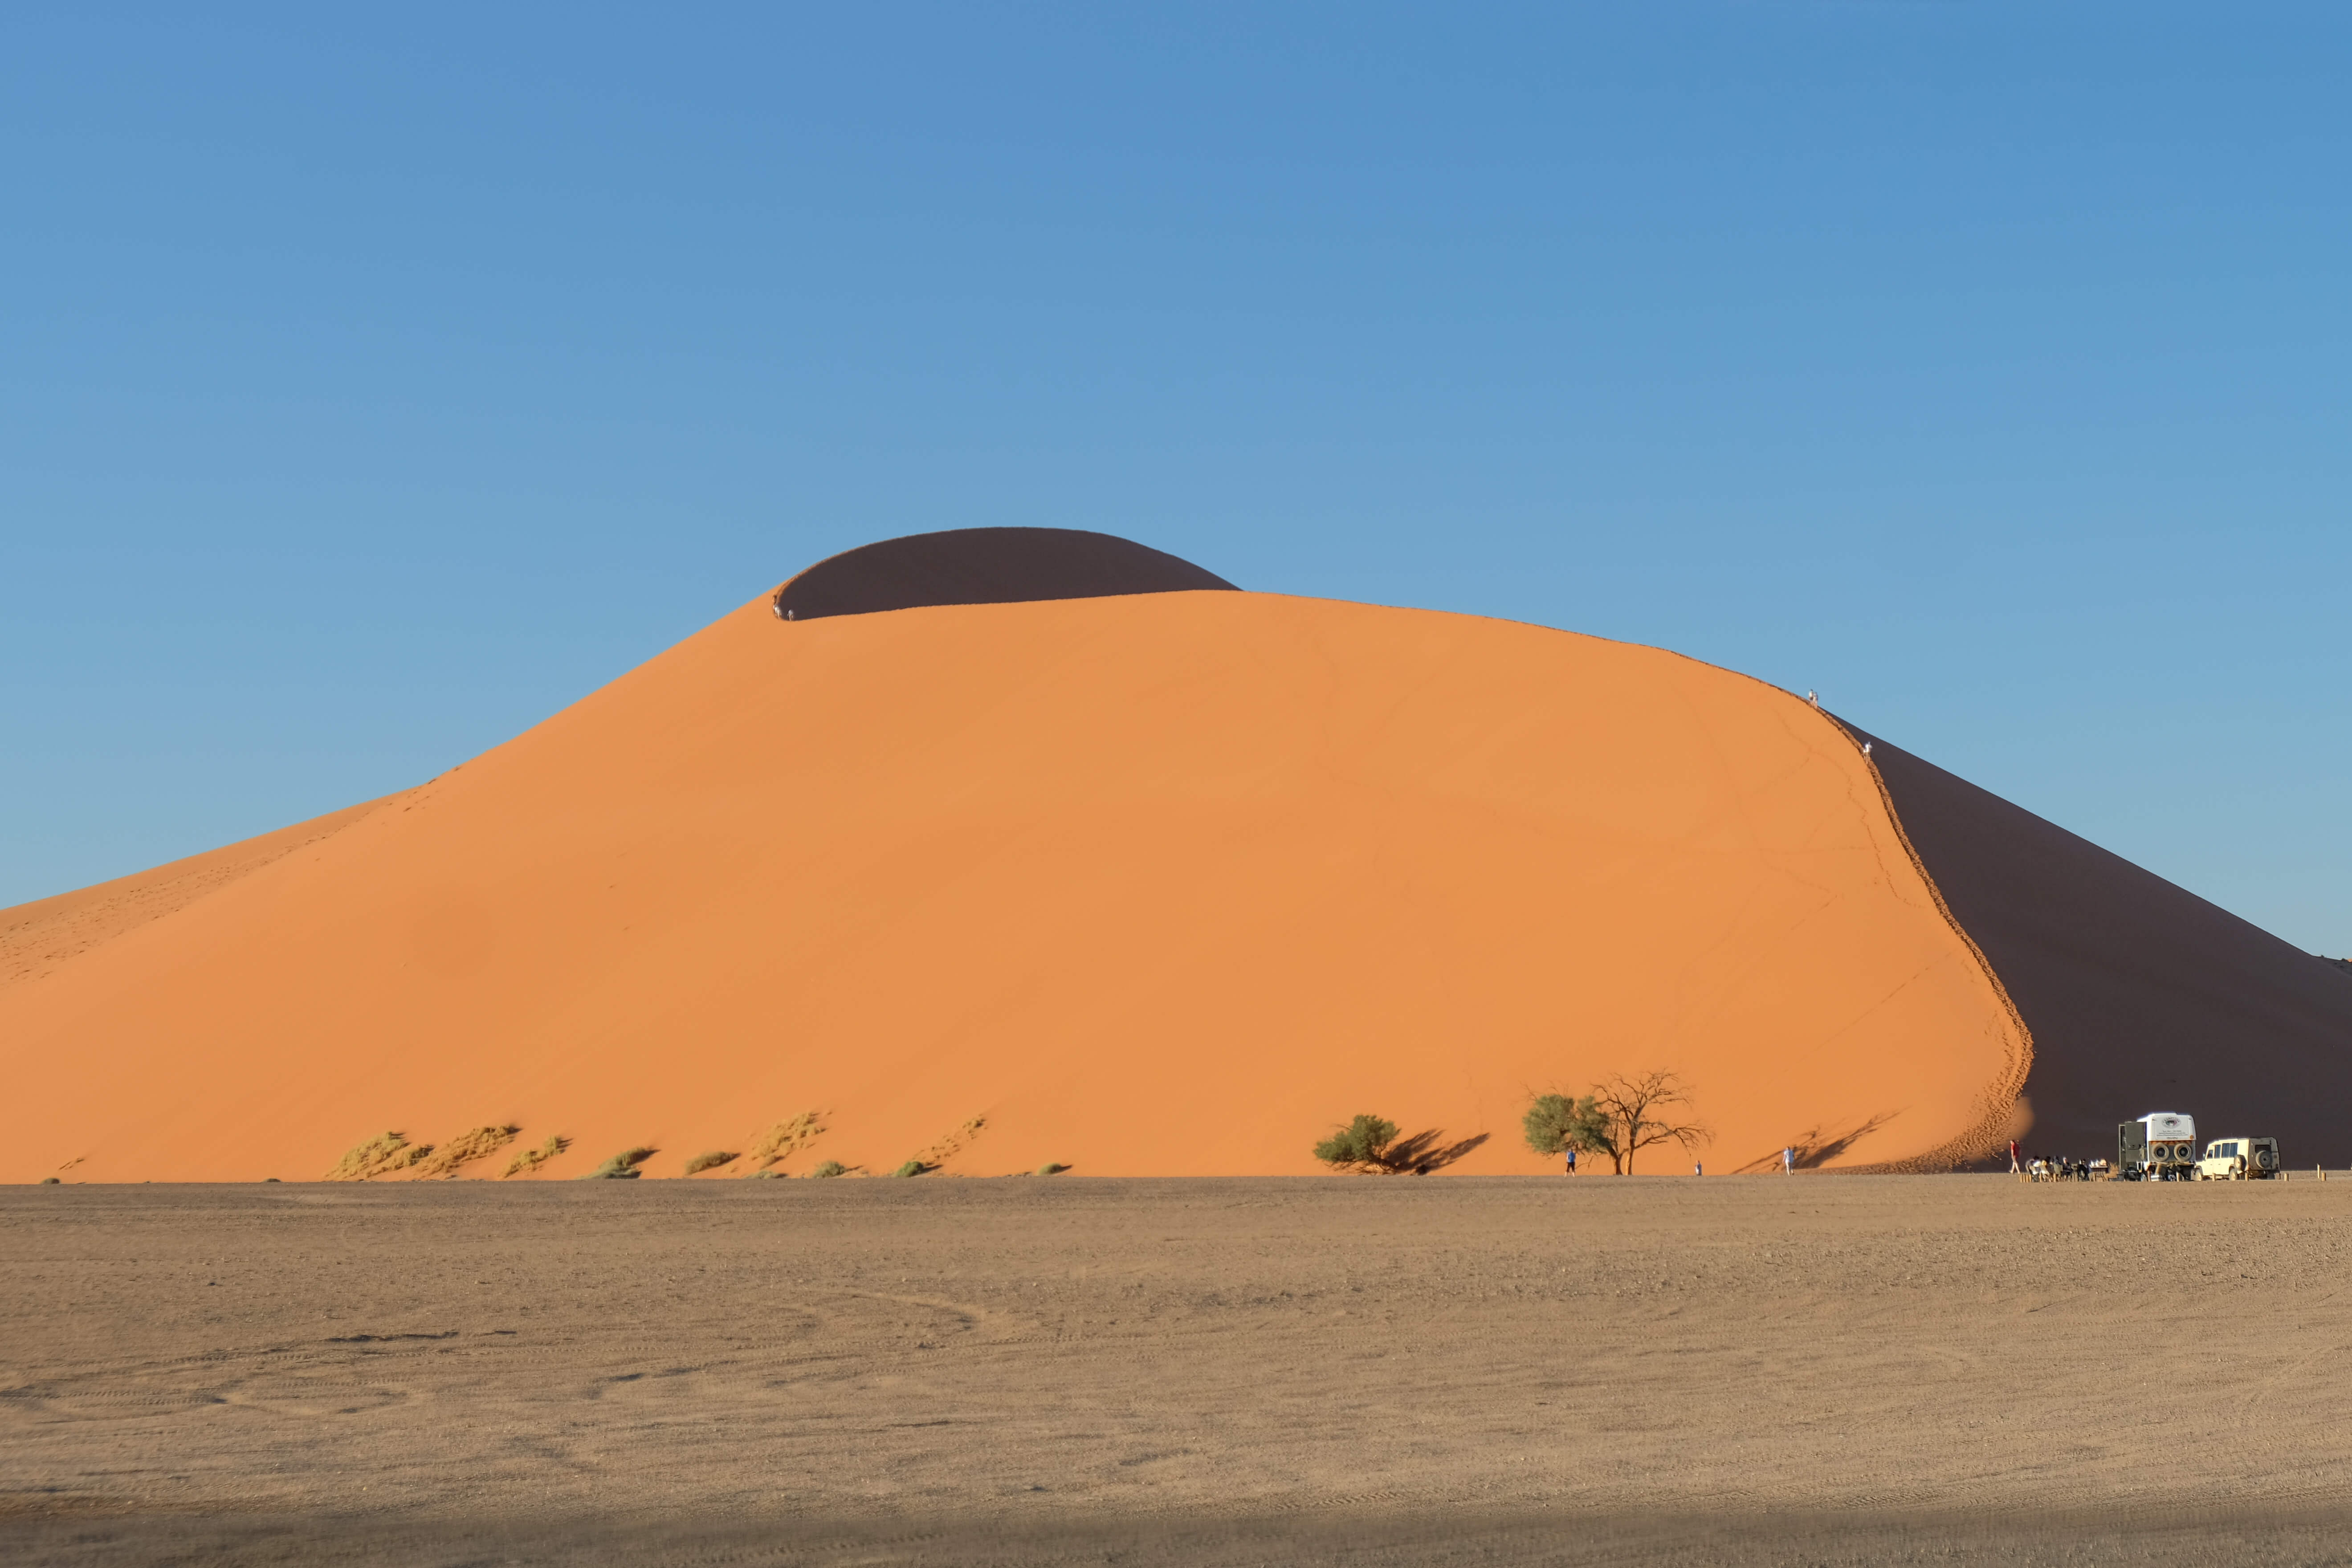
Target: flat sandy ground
x,y
1055,1370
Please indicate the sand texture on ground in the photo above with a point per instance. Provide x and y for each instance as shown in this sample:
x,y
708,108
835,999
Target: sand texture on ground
x,y
1371,1370
1157,885
2140,995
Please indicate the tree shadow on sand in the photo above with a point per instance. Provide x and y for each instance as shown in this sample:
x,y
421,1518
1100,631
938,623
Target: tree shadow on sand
x,y
1815,1149
1424,1152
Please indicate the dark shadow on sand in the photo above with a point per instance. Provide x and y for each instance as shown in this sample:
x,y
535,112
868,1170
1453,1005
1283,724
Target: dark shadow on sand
x,y
1040,1535
1816,1148
1425,1152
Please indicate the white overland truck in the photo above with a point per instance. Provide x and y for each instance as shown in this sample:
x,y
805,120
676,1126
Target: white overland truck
x,y
2159,1147
2239,1159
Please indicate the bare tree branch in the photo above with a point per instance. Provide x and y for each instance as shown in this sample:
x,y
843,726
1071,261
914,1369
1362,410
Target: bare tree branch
x,y
1633,1116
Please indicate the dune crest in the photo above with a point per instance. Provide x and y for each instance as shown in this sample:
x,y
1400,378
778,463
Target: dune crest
x,y
985,566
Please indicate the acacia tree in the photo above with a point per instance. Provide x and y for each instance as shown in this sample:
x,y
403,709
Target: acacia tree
x,y
1555,1123
1361,1145
1633,1113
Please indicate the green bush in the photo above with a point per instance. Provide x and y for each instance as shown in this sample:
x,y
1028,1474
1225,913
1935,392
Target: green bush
x,y
1361,1145
1555,1123
710,1161
829,1168
911,1168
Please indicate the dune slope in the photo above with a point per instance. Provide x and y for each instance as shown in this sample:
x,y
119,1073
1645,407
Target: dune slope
x,y
1160,884
2140,995
39,937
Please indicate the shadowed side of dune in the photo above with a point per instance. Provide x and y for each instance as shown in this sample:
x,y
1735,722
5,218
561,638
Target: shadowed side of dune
x,y
2140,995
985,566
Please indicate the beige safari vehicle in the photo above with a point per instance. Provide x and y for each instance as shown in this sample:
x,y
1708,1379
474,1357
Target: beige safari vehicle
x,y
2239,1159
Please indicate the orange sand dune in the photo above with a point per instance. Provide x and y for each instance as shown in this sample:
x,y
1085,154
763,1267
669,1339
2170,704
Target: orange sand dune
x,y
1158,884
36,938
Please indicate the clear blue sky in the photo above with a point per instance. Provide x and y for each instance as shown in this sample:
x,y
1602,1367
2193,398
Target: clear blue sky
x,y
370,389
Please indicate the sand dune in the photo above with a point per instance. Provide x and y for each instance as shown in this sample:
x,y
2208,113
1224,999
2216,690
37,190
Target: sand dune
x,y
2140,995
1160,884
35,938
1088,859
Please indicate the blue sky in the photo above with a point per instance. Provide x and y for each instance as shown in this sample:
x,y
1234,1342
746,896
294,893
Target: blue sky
x,y
369,389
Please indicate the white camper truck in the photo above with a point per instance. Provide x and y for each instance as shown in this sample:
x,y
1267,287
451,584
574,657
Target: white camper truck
x,y
2159,1147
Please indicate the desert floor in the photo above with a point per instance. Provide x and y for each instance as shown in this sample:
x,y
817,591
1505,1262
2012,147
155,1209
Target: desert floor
x,y
1055,1370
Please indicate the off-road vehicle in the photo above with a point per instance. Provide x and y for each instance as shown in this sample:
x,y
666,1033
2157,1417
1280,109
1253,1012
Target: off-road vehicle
x,y
2239,1159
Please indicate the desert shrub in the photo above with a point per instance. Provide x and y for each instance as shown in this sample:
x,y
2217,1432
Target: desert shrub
x,y
379,1156
621,1167
1361,1145
1052,1168
949,1147
784,1139
51,1182
1555,1123
911,1168
532,1159
465,1148
710,1161
767,1176
830,1168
